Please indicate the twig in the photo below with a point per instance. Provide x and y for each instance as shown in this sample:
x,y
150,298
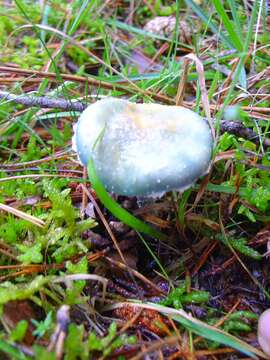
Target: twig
x,y
232,127
238,129
43,102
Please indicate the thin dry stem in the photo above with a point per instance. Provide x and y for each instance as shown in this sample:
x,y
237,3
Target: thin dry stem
x,y
34,220
182,83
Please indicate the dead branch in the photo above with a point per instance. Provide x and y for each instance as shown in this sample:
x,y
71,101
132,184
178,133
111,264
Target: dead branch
x,y
238,129
232,127
43,102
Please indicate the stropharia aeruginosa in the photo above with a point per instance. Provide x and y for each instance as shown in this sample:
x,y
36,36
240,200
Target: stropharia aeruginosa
x,y
143,149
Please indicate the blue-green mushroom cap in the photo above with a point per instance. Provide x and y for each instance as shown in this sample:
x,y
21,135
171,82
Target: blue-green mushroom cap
x,y
143,149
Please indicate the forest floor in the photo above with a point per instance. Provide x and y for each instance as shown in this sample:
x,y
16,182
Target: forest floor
x,y
79,279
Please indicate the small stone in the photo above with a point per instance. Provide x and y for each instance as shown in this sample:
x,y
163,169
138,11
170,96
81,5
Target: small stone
x,y
143,149
165,26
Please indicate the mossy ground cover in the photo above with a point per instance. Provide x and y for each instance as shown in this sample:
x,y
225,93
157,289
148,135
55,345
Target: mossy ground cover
x,y
86,275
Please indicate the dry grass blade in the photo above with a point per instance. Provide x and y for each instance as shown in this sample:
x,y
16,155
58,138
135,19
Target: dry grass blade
x,y
34,220
226,86
196,326
182,83
107,226
205,100
52,76
86,80
61,155
156,345
37,176
135,273
181,87
93,277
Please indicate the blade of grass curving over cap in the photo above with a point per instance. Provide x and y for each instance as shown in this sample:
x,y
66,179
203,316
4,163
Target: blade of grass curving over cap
x,y
206,19
116,209
228,24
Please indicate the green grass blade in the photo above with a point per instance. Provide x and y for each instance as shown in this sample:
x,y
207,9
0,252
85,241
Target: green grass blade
x,y
240,65
12,351
182,206
243,78
206,19
202,329
83,11
117,210
155,258
223,188
214,334
229,26
236,19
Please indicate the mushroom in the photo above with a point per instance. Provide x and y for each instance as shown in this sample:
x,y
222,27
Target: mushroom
x,y
264,331
143,149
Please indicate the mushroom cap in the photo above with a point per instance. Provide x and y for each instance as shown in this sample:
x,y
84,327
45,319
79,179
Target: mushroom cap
x,y
264,331
143,149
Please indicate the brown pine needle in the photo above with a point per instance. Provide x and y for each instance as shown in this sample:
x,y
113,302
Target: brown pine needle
x,y
34,220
